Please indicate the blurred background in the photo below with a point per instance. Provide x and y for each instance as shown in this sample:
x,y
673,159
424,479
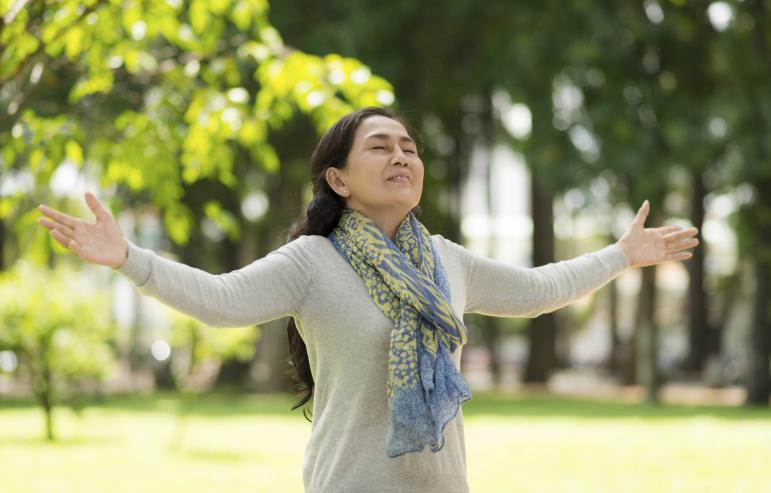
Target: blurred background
x,y
544,126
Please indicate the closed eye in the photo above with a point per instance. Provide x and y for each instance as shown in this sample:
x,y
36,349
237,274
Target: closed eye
x,y
405,150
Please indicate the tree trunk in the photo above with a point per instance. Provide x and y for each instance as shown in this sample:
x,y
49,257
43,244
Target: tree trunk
x,y
457,162
625,350
646,336
45,402
699,329
491,330
542,331
612,363
136,358
140,361
42,389
491,336
759,383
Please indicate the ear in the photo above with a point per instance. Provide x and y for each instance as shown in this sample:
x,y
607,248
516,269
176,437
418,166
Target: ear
x,y
334,180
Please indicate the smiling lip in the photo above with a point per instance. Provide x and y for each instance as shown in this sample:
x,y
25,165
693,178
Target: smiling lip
x,y
401,178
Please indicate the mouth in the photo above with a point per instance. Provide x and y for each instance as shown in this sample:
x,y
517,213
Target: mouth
x,y
400,179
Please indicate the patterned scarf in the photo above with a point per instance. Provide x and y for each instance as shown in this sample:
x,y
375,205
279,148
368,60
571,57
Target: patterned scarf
x,y
407,282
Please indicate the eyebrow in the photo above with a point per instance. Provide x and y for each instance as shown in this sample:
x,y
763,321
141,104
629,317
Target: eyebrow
x,y
404,138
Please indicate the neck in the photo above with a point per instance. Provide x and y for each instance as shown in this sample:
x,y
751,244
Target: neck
x,y
387,220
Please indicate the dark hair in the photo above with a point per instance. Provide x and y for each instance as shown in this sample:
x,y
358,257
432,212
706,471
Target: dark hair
x,y
321,218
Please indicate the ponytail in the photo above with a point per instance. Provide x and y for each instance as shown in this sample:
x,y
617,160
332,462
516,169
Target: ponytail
x,y
322,216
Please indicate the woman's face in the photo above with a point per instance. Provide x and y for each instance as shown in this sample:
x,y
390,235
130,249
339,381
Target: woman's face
x,y
383,171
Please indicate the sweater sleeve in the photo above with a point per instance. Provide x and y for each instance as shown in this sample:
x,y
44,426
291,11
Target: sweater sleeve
x,y
269,288
505,290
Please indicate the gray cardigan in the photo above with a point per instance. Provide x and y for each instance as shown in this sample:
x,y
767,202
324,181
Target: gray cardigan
x,y
347,339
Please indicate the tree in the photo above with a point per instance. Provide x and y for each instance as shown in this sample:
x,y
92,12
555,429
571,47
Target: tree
x,y
172,105
744,54
58,325
162,95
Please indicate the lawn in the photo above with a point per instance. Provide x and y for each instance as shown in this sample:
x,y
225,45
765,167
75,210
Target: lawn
x,y
253,444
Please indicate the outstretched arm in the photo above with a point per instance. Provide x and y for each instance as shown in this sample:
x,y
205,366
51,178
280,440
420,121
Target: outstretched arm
x,y
501,289
505,290
269,288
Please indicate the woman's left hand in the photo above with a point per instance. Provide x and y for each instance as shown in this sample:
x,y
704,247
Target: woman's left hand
x,y
650,246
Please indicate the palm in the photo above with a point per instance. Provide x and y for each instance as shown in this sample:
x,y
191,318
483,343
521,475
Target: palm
x,y
100,242
651,246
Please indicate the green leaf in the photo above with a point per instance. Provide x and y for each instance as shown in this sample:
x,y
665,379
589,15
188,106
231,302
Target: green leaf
x,y
9,156
74,152
178,221
101,83
6,207
73,42
199,16
251,132
241,15
266,156
224,219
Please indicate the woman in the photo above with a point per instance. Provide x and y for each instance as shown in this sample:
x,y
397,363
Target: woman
x,y
378,305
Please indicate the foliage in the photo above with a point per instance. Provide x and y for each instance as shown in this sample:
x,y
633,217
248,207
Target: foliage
x,y
152,97
58,325
197,347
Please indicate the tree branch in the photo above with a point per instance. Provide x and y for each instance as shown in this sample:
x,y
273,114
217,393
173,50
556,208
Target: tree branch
x,y
41,46
13,12
22,97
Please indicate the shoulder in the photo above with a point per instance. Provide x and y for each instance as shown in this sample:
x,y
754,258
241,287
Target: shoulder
x,y
451,252
306,249
458,255
447,248
307,242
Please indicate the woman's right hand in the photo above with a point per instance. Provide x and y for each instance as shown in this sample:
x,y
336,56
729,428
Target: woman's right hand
x,y
101,242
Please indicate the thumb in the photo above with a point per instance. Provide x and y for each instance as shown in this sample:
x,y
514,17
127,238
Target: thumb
x,y
642,213
96,207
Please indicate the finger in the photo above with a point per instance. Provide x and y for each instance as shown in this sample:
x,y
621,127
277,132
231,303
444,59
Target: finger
x,y
75,247
61,239
678,256
677,235
664,230
51,225
642,213
676,246
96,207
59,216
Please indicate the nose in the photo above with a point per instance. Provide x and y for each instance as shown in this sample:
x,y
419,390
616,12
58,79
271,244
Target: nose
x,y
400,157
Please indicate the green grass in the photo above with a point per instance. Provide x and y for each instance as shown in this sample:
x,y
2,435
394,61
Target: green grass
x,y
252,443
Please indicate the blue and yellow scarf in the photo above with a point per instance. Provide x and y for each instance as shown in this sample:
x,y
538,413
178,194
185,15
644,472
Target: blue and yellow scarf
x,y
407,282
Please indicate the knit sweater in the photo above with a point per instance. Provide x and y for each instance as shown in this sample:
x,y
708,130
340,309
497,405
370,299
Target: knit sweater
x,y
347,339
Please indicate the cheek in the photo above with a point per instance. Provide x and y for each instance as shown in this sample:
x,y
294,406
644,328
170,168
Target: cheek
x,y
368,179
420,172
